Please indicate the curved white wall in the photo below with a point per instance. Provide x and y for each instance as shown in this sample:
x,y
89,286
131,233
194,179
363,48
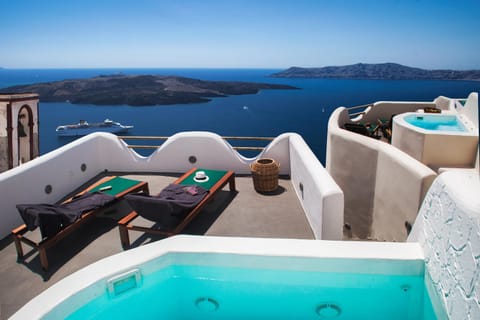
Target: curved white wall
x,y
470,109
208,148
61,169
384,109
448,229
383,187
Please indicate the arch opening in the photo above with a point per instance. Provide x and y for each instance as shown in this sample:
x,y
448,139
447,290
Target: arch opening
x,y
25,134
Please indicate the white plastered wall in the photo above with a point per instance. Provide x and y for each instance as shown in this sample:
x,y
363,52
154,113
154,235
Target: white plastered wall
x,y
448,229
320,196
376,178
62,170
209,149
470,111
384,109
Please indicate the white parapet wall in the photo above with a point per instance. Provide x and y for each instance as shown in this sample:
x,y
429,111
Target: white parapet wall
x,y
470,109
59,172
383,186
65,169
383,110
471,112
174,155
310,179
448,229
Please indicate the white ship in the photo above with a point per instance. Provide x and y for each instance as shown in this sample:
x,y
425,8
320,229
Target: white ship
x,y
83,128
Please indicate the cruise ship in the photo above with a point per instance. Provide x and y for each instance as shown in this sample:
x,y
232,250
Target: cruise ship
x,y
389,228
83,128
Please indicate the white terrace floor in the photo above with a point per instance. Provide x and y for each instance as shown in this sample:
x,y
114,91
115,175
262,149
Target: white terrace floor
x,y
243,213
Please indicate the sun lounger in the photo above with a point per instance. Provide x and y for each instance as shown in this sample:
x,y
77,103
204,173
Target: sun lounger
x,y
432,110
52,218
173,215
363,129
68,216
386,127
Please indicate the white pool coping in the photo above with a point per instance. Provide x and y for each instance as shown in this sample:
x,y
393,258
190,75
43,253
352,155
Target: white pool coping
x,y
364,257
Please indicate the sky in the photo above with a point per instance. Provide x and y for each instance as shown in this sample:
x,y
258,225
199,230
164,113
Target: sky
x,y
430,34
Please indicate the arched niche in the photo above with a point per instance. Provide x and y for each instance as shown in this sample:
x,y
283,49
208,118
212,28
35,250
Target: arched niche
x,y
25,134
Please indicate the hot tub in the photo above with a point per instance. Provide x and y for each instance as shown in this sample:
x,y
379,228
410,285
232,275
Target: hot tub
x,y
437,140
188,277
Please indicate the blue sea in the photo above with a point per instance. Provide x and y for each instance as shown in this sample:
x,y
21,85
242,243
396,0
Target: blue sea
x,y
268,113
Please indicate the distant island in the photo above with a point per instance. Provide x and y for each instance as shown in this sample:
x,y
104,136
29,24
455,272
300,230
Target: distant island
x,y
139,90
379,71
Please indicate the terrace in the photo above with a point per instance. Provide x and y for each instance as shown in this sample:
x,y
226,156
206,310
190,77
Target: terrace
x,y
307,204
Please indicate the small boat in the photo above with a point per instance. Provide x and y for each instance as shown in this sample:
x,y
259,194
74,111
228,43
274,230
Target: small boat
x,y
83,128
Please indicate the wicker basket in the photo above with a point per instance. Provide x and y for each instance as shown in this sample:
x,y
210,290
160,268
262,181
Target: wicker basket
x,y
265,174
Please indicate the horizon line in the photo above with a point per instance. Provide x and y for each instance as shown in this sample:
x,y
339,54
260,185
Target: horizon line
x,y
231,67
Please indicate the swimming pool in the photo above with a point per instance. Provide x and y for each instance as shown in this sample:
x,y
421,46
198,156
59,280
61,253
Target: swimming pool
x,y
436,122
339,281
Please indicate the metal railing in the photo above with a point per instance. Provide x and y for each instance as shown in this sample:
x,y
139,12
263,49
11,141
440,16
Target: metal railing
x,y
258,140
362,107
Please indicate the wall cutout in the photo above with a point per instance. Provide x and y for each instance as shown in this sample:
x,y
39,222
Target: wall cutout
x,y
48,189
300,187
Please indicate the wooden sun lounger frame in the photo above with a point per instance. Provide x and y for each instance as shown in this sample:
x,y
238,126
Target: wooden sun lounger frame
x,y
43,245
124,224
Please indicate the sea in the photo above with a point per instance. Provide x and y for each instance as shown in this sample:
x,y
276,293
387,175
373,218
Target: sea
x,y
265,114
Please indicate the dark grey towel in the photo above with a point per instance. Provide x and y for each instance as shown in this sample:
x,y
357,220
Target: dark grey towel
x,y
51,218
170,206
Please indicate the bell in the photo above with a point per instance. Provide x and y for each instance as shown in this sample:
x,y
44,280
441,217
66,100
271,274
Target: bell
x,y
21,130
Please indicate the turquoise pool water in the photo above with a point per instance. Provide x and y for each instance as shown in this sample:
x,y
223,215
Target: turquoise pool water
x,y
206,292
436,122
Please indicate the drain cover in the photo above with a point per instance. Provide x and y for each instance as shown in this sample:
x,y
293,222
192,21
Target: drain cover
x,y
206,304
405,288
328,310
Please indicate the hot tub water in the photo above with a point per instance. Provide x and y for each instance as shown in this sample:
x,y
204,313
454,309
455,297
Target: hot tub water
x,y
436,123
201,292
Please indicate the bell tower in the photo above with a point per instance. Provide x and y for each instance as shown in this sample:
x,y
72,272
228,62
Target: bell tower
x,y
18,129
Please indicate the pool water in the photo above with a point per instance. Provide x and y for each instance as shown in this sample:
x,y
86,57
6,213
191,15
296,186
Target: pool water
x,y
206,292
436,122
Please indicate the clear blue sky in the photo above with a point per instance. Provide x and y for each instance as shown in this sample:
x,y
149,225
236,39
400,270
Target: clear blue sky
x,y
431,34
